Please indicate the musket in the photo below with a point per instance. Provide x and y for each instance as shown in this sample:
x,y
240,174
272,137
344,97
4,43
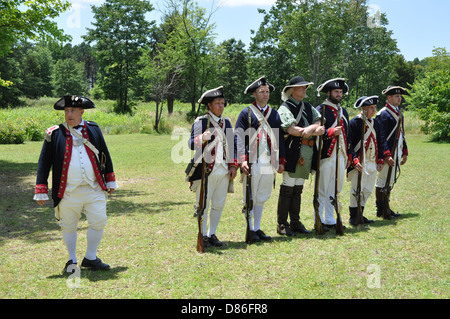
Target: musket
x,y
335,200
248,189
248,206
318,226
387,188
200,208
362,150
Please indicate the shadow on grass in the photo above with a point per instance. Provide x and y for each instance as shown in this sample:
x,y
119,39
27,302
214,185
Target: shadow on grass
x,y
92,275
22,217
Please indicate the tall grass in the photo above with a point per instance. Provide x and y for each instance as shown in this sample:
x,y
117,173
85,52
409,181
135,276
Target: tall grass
x,y
29,123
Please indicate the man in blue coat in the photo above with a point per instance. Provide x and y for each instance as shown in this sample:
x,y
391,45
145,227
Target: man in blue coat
x,y
259,146
212,138
389,118
372,159
82,174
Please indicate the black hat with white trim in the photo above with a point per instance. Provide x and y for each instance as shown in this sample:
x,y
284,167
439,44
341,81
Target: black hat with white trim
x,y
391,90
73,101
212,94
261,81
333,84
366,101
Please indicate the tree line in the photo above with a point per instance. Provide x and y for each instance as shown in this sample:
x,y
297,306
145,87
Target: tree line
x,y
126,58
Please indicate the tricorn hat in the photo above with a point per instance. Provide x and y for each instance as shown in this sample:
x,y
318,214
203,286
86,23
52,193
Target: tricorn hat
x,y
333,84
261,81
212,94
295,81
365,101
73,101
391,90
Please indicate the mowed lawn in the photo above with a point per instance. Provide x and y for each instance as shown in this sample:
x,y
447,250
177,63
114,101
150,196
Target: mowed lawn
x,y
151,234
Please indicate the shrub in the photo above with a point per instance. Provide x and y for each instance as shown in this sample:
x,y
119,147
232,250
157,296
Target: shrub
x,y
11,133
430,96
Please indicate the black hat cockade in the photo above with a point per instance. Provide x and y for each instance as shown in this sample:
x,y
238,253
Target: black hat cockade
x,y
392,90
73,101
255,85
212,94
333,84
366,101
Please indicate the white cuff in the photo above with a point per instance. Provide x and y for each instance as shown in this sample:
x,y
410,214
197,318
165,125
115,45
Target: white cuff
x,y
112,185
41,196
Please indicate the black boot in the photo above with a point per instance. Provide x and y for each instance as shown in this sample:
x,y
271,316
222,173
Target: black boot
x,y
366,221
284,202
294,211
380,202
353,212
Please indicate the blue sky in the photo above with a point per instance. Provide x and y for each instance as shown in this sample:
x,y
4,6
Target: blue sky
x,y
418,26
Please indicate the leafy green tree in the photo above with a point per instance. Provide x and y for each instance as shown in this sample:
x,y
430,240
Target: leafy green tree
x,y
23,19
84,53
68,78
233,69
36,71
430,96
10,68
120,31
321,40
404,72
194,34
185,51
266,54
369,52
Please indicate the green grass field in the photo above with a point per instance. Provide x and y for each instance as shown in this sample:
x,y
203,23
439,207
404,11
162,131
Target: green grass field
x,y
151,236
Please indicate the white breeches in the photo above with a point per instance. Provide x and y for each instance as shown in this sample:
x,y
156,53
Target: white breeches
x,y
290,181
83,198
217,191
326,186
262,183
382,175
368,179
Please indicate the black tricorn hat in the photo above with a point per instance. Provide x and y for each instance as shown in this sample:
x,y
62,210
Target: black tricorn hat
x,y
261,81
333,84
73,101
212,94
391,90
365,101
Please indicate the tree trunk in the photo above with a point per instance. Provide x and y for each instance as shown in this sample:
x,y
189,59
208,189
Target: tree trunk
x,y
170,101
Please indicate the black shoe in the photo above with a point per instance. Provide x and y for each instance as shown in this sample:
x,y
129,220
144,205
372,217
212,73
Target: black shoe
x,y
284,230
213,240
300,228
332,226
367,221
263,236
206,242
395,214
70,262
95,264
254,237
